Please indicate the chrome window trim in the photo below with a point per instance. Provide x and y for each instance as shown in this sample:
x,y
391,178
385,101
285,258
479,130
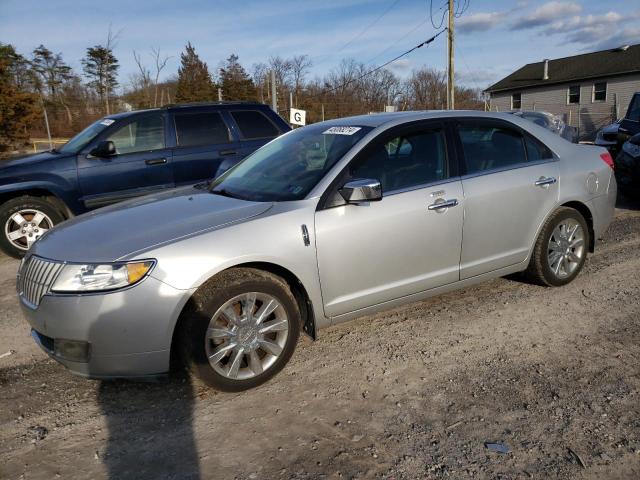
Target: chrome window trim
x,y
515,166
421,186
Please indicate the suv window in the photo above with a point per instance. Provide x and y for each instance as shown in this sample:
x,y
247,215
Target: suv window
x,y
146,133
254,124
205,128
407,161
490,146
634,109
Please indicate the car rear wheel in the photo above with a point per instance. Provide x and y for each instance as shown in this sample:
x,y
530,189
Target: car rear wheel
x,y
560,250
24,220
241,330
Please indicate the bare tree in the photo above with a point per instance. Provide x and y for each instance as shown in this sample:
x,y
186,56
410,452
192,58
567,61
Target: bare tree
x,y
160,62
142,81
300,66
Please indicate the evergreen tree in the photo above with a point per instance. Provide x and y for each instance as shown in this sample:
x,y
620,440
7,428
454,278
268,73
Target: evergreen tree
x,y
18,107
194,81
235,82
101,68
51,69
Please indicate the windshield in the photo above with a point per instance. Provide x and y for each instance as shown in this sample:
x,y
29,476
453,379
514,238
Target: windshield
x,y
291,165
85,136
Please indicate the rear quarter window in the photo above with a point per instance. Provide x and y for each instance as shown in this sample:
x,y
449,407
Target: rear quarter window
x,y
254,124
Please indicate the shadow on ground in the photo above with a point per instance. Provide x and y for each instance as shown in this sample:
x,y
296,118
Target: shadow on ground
x,y
150,429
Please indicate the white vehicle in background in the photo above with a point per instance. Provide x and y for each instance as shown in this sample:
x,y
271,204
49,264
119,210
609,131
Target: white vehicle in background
x,y
549,121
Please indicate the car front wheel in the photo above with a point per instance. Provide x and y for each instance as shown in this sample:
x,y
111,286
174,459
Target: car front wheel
x,y
24,220
560,250
241,329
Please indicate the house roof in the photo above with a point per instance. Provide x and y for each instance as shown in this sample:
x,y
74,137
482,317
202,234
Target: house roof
x,y
606,63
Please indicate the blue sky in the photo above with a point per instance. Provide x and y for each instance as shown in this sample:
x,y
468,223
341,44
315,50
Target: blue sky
x,y
494,37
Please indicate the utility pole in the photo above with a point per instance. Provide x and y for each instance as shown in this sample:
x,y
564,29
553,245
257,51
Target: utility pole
x,y
274,101
450,70
219,94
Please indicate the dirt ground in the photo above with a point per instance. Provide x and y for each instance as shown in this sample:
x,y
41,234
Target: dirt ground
x,y
416,392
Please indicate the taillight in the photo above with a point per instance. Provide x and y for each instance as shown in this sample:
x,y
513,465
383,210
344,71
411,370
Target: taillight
x,y
608,159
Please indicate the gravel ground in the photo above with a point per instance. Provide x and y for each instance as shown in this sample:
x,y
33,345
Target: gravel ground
x,y
415,392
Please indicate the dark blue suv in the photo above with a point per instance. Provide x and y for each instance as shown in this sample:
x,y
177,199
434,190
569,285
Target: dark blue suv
x,y
124,156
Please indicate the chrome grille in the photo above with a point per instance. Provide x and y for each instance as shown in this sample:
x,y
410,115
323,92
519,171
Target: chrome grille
x,y
35,277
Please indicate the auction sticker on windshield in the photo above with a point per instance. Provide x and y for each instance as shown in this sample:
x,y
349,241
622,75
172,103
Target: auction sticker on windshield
x,y
341,131
107,122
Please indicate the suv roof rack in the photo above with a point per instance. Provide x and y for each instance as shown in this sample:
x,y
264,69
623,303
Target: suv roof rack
x,y
207,103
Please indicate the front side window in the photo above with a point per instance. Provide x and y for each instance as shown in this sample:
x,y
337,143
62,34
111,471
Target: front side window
x,y
144,134
516,101
253,124
206,128
489,146
406,161
600,91
290,166
573,94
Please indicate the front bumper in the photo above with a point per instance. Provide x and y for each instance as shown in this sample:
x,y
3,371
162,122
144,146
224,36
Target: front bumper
x,y
129,331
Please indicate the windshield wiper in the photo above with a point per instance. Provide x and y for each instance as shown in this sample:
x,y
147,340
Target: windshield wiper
x,y
225,193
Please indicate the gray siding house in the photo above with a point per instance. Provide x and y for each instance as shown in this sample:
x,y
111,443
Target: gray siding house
x,y
588,91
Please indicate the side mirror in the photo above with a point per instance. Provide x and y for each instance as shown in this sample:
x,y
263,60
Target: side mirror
x,y
362,190
105,148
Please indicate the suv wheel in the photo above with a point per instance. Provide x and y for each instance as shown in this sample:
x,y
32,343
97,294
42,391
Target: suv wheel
x,y
560,250
23,221
242,330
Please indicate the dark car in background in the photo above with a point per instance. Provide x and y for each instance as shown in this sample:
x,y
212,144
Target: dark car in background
x,y
127,155
627,168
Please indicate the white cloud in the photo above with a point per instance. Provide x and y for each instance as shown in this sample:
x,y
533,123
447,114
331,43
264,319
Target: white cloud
x,y
547,14
479,22
400,64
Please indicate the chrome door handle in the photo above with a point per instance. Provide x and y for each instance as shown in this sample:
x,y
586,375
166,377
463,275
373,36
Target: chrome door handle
x,y
545,181
438,205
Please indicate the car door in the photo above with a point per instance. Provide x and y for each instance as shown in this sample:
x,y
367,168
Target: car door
x,y
203,142
510,186
405,243
141,165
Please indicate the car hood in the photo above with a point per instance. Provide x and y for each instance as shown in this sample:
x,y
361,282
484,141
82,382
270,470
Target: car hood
x,y
116,232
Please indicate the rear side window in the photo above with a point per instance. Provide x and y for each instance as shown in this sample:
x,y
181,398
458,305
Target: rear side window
x,y
490,146
194,129
536,150
253,124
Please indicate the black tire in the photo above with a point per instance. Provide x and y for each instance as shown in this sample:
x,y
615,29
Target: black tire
x,y
207,300
539,270
11,207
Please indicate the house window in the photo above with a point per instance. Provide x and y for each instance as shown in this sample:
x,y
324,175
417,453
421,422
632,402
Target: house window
x,y
573,95
516,101
600,92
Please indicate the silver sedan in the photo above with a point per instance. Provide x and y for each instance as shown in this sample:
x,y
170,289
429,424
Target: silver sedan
x,y
327,223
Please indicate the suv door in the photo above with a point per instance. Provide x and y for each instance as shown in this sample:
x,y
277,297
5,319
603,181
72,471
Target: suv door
x,y
141,165
403,244
203,141
510,186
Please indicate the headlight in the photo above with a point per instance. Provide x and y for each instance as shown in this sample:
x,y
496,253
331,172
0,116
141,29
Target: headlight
x,y
95,278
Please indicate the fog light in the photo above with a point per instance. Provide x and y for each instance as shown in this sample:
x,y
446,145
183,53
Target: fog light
x,y
72,350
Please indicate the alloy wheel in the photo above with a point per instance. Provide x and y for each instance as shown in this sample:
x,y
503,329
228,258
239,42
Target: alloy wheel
x,y
566,250
25,226
246,335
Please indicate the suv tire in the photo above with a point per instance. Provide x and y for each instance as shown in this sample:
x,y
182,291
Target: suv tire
x,y
23,220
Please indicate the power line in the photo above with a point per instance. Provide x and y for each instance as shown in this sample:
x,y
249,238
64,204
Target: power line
x,y
433,24
362,32
397,41
426,42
